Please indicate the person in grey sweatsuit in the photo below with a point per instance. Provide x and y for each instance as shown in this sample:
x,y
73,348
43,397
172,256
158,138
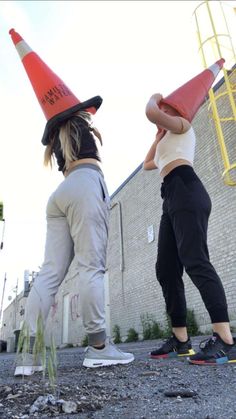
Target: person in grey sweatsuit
x,y
77,230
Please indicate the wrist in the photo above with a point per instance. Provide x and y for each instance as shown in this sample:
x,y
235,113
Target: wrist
x,y
157,97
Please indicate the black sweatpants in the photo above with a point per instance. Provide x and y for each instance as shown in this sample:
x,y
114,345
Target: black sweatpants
x,y
182,244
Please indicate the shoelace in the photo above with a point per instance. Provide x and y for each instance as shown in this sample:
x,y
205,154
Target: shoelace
x,y
111,343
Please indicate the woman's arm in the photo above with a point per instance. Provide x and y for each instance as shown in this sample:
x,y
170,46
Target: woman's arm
x,y
175,124
149,163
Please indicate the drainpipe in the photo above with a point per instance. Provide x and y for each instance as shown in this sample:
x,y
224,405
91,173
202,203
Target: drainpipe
x,y
120,235
122,267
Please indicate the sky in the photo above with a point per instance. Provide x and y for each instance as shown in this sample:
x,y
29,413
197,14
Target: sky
x,y
123,51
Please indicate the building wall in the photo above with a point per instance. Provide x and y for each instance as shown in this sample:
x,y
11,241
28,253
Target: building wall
x,y
134,291
64,322
13,317
63,316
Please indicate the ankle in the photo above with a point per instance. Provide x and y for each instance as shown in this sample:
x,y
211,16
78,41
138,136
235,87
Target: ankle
x,y
223,330
182,339
227,339
101,346
180,333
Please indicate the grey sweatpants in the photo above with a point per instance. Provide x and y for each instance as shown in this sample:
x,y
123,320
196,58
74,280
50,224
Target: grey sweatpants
x,y
77,230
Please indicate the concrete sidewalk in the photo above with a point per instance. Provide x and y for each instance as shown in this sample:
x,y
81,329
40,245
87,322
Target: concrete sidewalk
x,y
143,389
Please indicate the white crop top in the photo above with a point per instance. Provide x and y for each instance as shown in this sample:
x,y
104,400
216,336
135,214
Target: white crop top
x,y
175,146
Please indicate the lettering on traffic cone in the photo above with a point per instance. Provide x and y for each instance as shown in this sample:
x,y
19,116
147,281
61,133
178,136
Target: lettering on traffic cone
x,y
188,98
55,98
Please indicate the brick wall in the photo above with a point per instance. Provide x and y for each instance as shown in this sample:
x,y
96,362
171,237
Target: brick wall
x,y
134,290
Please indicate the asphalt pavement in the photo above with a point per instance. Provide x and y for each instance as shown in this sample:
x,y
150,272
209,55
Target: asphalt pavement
x,y
144,389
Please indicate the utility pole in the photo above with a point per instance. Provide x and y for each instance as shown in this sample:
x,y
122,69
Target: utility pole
x,y
3,292
3,231
3,220
15,305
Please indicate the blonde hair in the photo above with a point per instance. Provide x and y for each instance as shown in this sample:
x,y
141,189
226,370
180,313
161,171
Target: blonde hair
x,y
70,140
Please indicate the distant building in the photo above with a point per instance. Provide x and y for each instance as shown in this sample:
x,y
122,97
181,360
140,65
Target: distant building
x,y
13,317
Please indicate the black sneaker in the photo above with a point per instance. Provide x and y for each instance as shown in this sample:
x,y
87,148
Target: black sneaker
x,y
214,351
172,348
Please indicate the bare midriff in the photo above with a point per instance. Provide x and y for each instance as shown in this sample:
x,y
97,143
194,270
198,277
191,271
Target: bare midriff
x,y
172,165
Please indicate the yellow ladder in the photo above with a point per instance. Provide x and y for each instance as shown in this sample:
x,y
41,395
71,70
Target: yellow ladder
x,y
213,46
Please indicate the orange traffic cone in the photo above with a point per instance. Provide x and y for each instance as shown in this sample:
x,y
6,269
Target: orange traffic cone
x,y
56,99
188,98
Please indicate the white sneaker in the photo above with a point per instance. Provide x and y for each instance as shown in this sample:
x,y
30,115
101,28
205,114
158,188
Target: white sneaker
x,y
26,364
110,355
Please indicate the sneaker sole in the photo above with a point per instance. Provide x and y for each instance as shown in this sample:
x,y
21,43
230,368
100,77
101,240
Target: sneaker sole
x,y
172,355
219,361
27,370
96,363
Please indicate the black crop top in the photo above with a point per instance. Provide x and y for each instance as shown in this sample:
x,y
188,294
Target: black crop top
x,y
88,147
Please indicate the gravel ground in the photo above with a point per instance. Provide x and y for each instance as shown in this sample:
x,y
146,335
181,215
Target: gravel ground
x,y
144,389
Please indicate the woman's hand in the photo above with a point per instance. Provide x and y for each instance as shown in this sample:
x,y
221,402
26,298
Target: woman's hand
x,y
159,135
149,163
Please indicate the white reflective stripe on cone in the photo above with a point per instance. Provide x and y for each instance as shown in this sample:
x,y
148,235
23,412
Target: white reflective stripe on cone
x,y
23,49
215,69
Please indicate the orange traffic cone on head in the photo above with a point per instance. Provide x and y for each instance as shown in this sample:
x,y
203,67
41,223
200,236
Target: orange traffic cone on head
x,y
56,99
188,98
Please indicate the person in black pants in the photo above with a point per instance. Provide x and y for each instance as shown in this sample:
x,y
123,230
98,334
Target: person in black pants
x,y
182,242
